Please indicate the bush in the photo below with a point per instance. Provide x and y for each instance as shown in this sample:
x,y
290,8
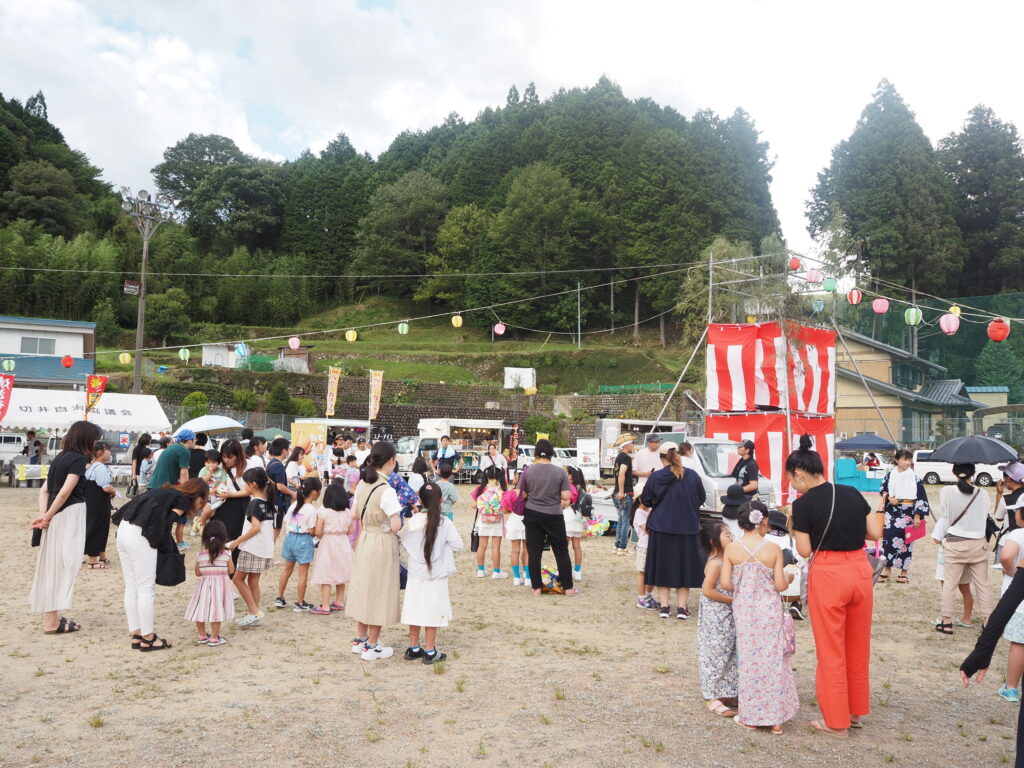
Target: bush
x,y
195,405
279,401
303,407
244,400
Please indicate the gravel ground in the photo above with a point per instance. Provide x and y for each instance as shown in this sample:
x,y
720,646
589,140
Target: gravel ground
x,y
553,681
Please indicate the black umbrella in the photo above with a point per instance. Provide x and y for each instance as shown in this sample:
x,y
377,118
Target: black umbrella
x,y
976,449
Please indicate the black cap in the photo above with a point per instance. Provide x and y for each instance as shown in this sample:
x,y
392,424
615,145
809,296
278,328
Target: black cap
x,y
732,501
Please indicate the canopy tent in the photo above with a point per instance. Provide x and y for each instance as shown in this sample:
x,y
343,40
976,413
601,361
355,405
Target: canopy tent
x,y
270,434
211,424
865,443
56,410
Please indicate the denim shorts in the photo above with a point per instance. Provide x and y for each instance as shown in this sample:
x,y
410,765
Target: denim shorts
x,y
298,548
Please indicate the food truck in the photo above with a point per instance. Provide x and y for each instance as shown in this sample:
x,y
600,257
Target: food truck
x,y
468,436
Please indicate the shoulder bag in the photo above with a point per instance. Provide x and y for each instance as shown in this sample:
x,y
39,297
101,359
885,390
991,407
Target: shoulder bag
x,y
519,505
805,571
941,527
403,572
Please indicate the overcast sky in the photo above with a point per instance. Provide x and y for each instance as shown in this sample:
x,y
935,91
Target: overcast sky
x,y
125,80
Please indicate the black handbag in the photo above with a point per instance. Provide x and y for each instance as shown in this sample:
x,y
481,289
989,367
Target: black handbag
x,y
474,537
991,527
403,575
170,568
133,489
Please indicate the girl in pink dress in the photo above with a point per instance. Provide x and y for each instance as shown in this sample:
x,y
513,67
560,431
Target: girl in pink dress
x,y
333,564
212,600
752,571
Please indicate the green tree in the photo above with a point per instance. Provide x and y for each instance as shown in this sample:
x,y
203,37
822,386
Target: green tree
x,y
244,400
190,162
279,401
303,407
239,204
107,329
43,193
986,165
997,365
896,204
195,404
167,314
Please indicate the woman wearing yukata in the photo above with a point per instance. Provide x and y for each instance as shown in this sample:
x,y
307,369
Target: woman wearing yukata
x,y
905,504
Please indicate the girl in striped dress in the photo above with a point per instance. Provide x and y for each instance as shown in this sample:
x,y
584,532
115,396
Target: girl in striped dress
x,y
212,600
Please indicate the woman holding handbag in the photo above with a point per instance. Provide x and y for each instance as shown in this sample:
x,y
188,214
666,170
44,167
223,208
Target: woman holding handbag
x,y
830,523
905,506
963,518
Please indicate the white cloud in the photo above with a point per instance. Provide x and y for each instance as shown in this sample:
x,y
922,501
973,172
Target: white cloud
x,y
125,82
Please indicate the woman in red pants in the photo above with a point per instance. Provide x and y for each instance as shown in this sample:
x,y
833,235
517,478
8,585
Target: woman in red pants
x,y
831,523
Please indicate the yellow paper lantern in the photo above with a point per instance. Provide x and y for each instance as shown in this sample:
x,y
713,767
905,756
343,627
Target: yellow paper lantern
x,y
529,390
954,310
751,319
124,358
351,335
457,321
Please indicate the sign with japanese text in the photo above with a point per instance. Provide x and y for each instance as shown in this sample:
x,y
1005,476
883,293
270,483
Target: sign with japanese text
x,y
124,439
376,384
333,377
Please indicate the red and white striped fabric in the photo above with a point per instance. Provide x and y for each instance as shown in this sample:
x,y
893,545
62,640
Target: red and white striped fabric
x,y
746,368
771,446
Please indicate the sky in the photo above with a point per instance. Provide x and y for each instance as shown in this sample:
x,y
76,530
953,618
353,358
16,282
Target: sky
x,y
124,81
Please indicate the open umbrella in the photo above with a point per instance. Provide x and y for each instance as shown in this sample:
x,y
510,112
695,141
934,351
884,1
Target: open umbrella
x,y
212,424
865,443
976,449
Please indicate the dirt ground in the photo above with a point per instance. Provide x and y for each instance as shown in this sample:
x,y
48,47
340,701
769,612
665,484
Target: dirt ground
x,y
552,681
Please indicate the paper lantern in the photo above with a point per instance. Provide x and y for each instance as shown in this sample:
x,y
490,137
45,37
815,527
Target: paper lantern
x,y
912,316
403,328
124,358
818,305
457,321
998,329
794,264
830,284
880,306
813,275
8,365
949,324
351,335
954,310
499,329
241,350
854,296
294,342
184,354
67,361
751,319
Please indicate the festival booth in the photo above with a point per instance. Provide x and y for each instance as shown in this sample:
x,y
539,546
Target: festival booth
x,y
850,471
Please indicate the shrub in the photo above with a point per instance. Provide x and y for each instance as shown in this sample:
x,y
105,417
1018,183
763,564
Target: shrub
x,y
195,405
303,407
279,401
244,400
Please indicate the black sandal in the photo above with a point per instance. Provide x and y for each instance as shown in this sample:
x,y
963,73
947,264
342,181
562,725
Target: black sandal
x,y
946,629
65,627
137,640
148,645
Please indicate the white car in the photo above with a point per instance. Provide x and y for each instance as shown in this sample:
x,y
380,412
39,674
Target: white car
x,y
935,472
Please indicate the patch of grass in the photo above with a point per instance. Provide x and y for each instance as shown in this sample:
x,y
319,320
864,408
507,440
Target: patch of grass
x,y
646,742
661,669
460,685
439,668
906,736
481,750
890,758
17,653
559,694
96,721
544,719
316,680
373,737
659,747
39,672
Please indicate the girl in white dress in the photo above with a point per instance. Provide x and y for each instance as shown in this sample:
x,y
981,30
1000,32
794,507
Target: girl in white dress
x,y
490,523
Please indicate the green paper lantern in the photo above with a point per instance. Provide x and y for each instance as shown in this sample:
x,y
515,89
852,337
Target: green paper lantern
x,y
184,354
829,284
8,365
403,328
912,316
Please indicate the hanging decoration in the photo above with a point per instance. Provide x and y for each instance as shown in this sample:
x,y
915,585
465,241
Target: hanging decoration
x,y
499,329
854,296
954,310
880,306
819,305
376,385
457,321
184,354
6,387
912,316
830,284
751,319
794,264
67,361
403,328
241,350
124,358
998,330
95,386
351,335
294,342
8,365
333,377
949,324
813,276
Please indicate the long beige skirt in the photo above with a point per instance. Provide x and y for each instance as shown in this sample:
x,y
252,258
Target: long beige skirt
x,y
60,560
373,592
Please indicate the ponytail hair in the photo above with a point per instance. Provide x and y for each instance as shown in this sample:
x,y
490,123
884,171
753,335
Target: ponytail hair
x,y
673,462
805,458
215,538
258,477
964,473
430,495
306,487
381,453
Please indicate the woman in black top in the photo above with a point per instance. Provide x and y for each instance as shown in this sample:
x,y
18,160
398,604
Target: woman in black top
x,y
831,523
234,493
137,454
62,521
546,489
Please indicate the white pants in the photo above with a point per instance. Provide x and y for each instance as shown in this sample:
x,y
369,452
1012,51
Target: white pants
x,y
138,564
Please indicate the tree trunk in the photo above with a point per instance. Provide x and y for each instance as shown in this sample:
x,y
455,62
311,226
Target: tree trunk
x,y
661,329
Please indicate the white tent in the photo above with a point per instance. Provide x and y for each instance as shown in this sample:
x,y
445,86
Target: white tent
x,y
53,409
211,423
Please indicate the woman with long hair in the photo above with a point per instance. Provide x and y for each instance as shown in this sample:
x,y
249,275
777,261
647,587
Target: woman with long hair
x,y
232,491
138,455
830,523
418,474
62,523
373,591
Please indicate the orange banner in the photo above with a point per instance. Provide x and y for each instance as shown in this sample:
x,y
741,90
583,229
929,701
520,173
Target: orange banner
x,y
94,388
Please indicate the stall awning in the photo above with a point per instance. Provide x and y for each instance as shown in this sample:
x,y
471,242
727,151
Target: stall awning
x,y
52,409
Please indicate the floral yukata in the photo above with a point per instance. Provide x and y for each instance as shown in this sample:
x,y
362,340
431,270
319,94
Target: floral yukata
x,y
906,498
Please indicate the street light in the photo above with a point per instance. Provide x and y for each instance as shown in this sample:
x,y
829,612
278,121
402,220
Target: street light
x,y
149,213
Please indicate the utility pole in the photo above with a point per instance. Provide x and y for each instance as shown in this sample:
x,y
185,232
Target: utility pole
x,y
579,323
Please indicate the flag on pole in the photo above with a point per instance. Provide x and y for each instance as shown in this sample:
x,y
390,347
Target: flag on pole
x,y
94,388
6,386
376,383
333,377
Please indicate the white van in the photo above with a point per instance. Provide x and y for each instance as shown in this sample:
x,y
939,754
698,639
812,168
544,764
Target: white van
x,y
11,445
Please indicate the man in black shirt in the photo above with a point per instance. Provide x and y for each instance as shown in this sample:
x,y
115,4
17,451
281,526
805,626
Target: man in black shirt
x,y
622,496
197,455
746,470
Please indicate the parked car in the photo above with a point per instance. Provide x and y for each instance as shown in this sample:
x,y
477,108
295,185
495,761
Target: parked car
x,y
565,457
935,472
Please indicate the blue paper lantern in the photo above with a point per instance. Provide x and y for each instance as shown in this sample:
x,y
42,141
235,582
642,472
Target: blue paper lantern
x,y
241,350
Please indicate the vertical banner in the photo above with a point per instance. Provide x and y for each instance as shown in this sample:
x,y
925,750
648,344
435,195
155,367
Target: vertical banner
x,y
6,387
376,383
333,377
94,387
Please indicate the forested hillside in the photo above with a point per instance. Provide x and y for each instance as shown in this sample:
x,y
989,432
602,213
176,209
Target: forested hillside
x,y
587,178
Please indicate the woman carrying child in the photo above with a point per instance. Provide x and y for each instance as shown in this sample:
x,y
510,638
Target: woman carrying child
x,y
716,630
299,522
431,541
333,564
752,569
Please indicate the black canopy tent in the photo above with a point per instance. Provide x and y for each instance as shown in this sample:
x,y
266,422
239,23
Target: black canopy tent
x,y
865,443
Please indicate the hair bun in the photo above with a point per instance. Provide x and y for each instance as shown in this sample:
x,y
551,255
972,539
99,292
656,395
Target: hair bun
x,y
805,442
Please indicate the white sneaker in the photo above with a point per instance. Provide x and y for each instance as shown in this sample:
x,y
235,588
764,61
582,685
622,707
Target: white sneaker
x,y
517,582
577,576
246,621
481,574
377,652
499,575
358,646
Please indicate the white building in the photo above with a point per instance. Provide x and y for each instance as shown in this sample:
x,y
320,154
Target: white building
x,y
220,355
37,347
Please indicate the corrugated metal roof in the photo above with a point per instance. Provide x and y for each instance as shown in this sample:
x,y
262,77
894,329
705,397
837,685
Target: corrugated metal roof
x,y
896,351
987,390
44,368
47,321
946,394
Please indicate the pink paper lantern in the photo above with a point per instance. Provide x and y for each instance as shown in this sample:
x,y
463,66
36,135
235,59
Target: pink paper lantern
x,y
294,342
880,306
813,275
499,329
949,323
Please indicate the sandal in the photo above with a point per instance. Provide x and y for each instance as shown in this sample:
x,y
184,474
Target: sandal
x,y
717,707
336,607
777,730
65,627
150,645
136,640
856,724
883,579
736,720
946,629
902,580
820,727
99,565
